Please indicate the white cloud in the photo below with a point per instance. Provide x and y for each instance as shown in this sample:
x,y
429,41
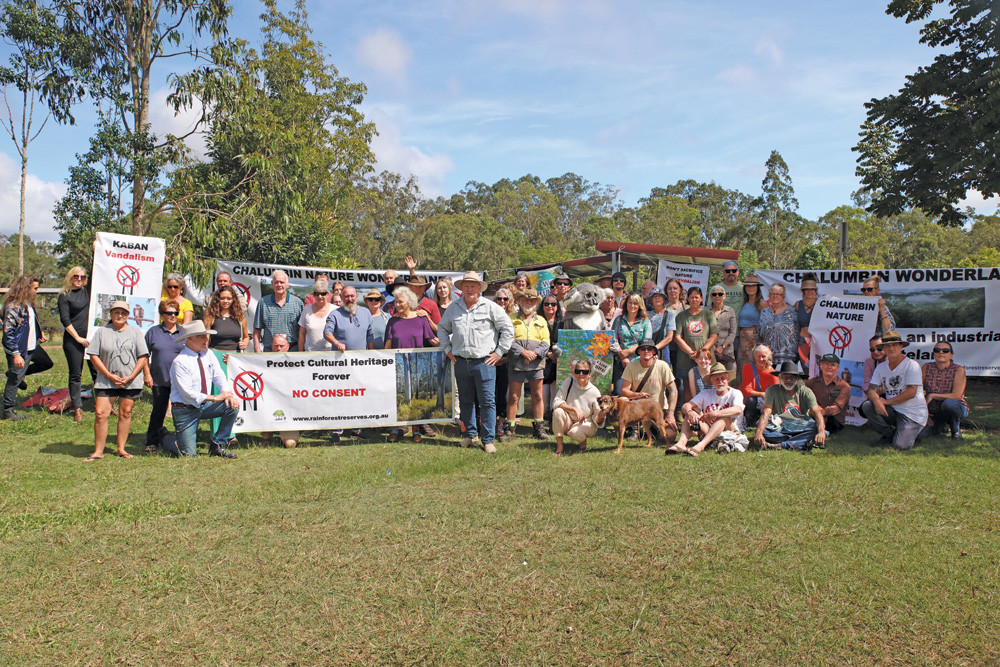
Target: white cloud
x,y
975,199
392,155
164,121
39,200
386,52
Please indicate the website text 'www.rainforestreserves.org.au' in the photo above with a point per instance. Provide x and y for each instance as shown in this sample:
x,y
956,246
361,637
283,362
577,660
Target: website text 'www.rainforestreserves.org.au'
x,y
342,418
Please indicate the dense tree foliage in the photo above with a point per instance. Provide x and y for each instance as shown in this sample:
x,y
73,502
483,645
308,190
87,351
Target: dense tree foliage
x,y
939,136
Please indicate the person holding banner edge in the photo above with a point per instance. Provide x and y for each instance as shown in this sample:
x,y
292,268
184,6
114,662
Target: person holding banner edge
x,y
476,333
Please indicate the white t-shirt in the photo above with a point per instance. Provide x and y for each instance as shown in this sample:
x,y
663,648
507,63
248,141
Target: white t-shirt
x,y
314,324
709,401
895,382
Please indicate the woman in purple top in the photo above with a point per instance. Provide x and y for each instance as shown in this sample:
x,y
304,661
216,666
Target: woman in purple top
x,y
406,330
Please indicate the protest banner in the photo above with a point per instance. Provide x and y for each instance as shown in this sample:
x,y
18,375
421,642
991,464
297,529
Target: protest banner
x,y
592,345
541,281
303,391
128,268
253,280
841,325
956,305
690,275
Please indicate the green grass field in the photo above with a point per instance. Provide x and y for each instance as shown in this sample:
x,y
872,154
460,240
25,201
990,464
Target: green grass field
x,y
402,553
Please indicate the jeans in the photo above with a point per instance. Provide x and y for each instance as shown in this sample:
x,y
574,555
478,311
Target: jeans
x,y
35,361
186,425
74,360
476,381
161,401
949,415
751,411
903,431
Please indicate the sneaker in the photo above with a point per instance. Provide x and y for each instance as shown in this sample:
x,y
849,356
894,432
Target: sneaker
x,y
956,435
490,448
15,416
467,442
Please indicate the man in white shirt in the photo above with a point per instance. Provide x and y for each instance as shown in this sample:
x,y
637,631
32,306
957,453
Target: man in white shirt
x,y
896,407
712,411
192,374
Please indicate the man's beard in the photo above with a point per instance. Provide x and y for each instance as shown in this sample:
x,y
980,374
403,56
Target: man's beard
x,y
790,386
529,312
352,308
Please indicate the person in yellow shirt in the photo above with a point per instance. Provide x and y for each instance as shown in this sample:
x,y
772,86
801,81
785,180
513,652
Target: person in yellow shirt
x,y
527,360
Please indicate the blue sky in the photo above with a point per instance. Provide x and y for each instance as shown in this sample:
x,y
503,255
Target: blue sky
x,y
632,94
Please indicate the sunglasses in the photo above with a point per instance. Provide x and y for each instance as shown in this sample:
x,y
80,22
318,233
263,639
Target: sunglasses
x,y
877,348
731,271
867,290
581,371
79,277
942,350
550,305
718,295
565,283
319,294
169,313
502,299
173,286
373,299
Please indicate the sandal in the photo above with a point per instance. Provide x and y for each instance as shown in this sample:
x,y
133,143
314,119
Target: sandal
x,y
124,455
151,448
93,458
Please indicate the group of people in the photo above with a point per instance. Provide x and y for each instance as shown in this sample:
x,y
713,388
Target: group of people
x,y
667,346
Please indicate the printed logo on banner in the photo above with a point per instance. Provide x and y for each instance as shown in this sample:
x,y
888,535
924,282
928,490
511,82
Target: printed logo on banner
x,y
840,337
248,386
128,277
244,290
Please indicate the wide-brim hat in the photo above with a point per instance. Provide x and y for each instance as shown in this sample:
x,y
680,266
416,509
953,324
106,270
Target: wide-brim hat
x,y
195,328
645,342
563,276
718,369
528,293
788,368
374,292
752,280
894,337
808,284
417,283
470,276
119,304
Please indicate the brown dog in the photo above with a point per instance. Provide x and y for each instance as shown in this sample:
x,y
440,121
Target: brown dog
x,y
625,412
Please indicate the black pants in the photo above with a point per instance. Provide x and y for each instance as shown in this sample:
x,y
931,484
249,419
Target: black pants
x,y
74,360
35,361
161,401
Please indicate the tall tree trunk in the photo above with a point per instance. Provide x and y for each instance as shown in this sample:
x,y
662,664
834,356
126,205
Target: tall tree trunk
x,y
24,186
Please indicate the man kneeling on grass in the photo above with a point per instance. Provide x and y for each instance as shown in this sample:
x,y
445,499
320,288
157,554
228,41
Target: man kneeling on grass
x,y
192,375
791,417
710,414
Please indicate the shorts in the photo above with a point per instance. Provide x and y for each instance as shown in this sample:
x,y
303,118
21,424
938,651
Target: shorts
x,y
524,376
131,394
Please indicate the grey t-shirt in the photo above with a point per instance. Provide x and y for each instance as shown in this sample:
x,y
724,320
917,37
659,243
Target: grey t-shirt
x,y
119,351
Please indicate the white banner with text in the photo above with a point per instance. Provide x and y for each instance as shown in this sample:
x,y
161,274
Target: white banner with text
x,y
127,268
959,305
301,391
690,275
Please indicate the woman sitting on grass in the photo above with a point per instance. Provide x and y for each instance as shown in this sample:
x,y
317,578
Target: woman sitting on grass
x,y
575,407
944,390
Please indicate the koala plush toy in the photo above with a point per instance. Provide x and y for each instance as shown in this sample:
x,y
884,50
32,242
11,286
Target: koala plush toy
x,y
583,307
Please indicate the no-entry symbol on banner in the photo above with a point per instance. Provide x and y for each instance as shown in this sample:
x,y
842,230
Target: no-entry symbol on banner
x,y
840,337
128,278
248,386
244,290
